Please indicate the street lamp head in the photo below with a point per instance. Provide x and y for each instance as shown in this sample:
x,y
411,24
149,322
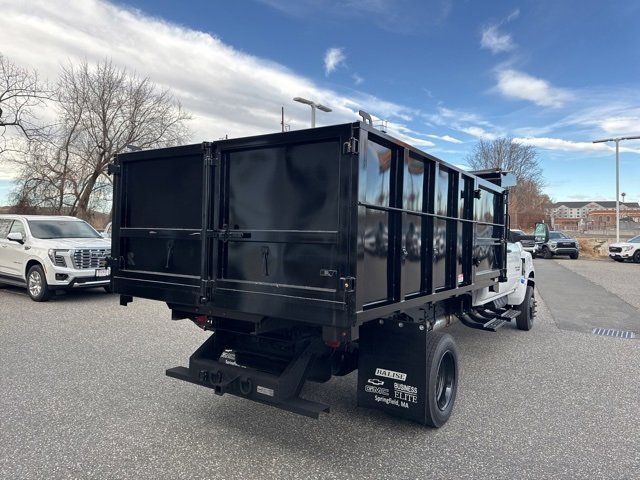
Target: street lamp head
x,y
303,100
323,108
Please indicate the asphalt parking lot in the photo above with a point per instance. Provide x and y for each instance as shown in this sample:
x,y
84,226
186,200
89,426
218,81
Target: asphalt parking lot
x,y
83,395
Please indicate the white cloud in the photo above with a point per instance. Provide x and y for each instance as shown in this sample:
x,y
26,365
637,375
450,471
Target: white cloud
x,y
333,59
513,15
408,135
621,125
515,84
446,138
478,132
492,39
357,79
548,143
397,16
226,90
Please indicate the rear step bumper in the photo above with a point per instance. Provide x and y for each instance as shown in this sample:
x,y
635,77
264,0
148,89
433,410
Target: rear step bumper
x,y
281,391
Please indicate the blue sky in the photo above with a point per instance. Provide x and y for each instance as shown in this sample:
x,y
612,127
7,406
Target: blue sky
x,y
553,74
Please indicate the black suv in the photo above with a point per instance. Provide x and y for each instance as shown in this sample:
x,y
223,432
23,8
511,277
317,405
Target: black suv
x,y
559,244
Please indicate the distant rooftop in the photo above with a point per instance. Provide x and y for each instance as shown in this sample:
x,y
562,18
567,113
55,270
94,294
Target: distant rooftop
x,y
602,203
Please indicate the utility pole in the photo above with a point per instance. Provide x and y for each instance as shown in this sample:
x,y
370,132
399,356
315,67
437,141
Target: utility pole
x,y
617,140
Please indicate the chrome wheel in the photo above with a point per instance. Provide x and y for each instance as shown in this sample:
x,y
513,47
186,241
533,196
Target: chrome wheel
x,y
35,283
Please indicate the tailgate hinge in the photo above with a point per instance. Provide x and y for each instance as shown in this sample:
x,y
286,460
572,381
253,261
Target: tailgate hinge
x,y
351,146
210,158
117,262
114,169
208,289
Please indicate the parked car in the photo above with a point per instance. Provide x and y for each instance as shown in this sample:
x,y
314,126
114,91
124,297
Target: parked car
x,y
629,250
528,242
559,244
48,253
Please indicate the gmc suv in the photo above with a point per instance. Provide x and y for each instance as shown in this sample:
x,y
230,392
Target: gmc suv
x,y
48,253
629,250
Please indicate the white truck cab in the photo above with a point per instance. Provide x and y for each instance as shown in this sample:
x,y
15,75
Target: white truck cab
x,y
48,253
518,289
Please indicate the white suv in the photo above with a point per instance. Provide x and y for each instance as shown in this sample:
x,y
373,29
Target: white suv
x,y
52,253
629,250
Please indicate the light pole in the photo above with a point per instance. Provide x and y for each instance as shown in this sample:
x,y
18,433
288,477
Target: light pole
x,y
617,140
313,106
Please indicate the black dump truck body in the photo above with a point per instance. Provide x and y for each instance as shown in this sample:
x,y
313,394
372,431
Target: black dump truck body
x,y
315,231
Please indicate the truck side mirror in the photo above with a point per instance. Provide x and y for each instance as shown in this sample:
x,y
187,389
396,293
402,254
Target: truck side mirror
x,y
541,233
16,237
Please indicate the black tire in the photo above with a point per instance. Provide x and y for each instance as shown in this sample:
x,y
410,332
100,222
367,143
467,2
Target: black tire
x,y
534,255
527,308
108,289
37,287
546,253
636,257
574,256
442,378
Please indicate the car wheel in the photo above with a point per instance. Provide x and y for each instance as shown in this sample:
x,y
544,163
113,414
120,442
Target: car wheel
x,y
636,256
37,287
574,256
546,253
442,378
527,308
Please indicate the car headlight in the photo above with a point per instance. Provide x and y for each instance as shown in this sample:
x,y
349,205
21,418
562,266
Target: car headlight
x,y
56,257
553,244
627,248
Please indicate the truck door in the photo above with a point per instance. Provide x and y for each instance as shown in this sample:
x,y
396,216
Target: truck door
x,y
15,253
5,252
514,265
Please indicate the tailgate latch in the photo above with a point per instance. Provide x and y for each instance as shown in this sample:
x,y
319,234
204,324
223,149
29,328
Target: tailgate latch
x,y
225,234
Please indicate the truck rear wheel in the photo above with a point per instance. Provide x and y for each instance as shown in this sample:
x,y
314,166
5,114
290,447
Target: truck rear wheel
x,y
442,378
636,257
527,308
546,253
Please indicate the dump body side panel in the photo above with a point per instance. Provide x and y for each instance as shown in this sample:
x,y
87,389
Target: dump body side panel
x,y
427,230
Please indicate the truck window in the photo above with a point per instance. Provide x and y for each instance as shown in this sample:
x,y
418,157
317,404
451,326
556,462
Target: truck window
x,y
18,227
47,229
5,225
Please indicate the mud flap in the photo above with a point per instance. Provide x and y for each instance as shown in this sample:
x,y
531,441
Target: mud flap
x,y
392,366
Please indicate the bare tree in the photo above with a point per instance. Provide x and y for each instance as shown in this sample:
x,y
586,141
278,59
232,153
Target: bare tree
x,y
114,109
527,202
21,95
103,110
507,154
